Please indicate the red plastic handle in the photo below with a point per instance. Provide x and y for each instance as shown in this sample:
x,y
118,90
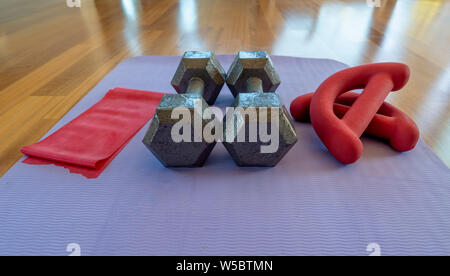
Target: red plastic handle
x,y
342,136
389,123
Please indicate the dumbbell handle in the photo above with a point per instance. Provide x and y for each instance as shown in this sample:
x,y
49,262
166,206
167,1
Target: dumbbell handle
x,y
254,84
196,86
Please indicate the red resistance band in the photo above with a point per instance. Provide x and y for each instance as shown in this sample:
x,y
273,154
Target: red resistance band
x,y
87,144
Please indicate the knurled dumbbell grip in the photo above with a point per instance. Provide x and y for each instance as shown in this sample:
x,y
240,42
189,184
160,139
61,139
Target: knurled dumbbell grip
x,y
196,86
254,84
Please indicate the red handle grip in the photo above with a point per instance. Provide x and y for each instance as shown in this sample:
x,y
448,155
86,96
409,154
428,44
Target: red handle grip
x,y
341,136
389,123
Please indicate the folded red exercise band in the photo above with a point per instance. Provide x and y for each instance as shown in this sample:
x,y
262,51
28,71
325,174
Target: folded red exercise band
x,y
87,144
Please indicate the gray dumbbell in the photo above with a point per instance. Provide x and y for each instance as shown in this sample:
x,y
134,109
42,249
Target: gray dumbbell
x,y
251,76
199,77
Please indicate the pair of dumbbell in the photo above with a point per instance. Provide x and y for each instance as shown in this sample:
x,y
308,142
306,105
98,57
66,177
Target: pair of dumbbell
x,y
199,79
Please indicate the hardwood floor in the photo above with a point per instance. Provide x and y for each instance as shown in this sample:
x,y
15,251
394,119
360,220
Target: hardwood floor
x,y
52,55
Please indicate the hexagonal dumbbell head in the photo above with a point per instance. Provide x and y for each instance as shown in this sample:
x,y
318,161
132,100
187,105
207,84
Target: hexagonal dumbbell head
x,y
159,138
249,153
202,64
252,64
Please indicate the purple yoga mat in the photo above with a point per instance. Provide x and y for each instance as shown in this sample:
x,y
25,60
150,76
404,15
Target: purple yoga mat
x,y
308,204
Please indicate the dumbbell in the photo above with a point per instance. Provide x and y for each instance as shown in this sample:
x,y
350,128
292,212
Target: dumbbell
x,y
252,79
198,79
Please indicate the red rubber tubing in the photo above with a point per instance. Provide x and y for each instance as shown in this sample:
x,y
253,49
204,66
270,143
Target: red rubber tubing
x,y
342,136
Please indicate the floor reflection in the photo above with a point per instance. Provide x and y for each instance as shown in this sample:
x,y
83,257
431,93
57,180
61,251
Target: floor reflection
x,y
338,31
130,9
187,12
132,31
188,25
